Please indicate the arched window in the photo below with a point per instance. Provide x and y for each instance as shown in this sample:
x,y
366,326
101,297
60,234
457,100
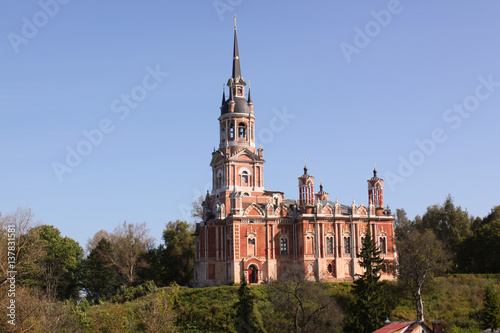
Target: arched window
x,y
242,130
329,245
231,131
251,247
223,133
347,244
383,245
284,245
219,179
244,178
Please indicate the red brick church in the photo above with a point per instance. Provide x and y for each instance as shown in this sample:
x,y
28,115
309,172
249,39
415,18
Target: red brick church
x,y
249,230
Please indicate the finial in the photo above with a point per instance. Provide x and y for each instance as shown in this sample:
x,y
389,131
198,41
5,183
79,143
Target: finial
x,y
374,169
249,84
305,166
234,21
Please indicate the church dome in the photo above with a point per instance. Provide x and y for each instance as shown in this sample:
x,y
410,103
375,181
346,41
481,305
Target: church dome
x,y
241,106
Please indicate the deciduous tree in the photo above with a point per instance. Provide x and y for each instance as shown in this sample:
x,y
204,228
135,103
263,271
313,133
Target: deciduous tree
x,y
19,239
301,305
129,243
421,256
60,264
177,253
480,252
451,225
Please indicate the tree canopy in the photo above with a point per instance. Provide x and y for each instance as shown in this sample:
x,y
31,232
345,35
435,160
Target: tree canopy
x,y
177,253
421,257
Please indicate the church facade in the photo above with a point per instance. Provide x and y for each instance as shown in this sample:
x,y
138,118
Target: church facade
x,y
248,230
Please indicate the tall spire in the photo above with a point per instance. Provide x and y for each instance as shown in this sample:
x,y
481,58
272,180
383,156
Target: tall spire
x,y
236,56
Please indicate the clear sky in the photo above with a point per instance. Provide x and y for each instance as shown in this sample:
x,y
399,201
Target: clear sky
x,y
109,108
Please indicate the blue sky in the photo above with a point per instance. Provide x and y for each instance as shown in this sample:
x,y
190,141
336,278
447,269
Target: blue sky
x,y
412,85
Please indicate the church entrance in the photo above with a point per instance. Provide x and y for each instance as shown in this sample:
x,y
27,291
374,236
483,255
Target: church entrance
x,y
253,274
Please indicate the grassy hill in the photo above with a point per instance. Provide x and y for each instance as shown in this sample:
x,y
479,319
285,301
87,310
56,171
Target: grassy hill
x,y
456,300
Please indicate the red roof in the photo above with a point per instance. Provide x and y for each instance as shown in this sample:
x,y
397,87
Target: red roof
x,y
399,326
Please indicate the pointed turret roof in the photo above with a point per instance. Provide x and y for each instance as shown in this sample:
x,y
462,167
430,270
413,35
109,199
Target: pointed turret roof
x,y
249,96
241,104
236,74
236,57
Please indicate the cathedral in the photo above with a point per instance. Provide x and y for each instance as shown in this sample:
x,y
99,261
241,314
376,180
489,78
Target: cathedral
x,y
253,232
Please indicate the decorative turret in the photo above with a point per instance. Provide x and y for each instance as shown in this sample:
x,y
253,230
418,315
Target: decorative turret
x,y
376,193
306,192
321,195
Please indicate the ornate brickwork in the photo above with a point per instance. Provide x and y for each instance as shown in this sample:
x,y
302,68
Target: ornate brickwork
x,y
252,232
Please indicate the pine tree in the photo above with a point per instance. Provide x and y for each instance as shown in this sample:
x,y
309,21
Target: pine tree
x,y
367,314
491,309
245,321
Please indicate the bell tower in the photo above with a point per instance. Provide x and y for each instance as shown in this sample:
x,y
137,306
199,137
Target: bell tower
x,y
306,192
237,121
376,192
237,166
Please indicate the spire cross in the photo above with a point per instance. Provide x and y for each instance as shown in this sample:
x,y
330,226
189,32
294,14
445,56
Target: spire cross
x,y
234,21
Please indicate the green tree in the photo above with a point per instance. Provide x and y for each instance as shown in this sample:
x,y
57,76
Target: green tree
x,y
19,236
421,257
61,263
451,225
100,277
402,224
491,309
245,318
479,253
368,311
177,253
